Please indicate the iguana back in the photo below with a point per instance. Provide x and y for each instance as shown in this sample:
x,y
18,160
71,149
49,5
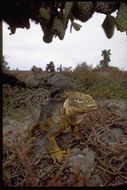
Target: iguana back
x,y
50,110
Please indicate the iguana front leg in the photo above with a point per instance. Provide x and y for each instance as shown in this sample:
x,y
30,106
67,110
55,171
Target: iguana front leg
x,y
56,153
53,131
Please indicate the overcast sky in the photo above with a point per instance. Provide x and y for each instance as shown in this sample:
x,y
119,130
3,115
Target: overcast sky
x,y
26,47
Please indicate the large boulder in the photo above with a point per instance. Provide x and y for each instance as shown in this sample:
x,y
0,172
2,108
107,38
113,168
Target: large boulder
x,y
59,80
32,82
43,76
82,159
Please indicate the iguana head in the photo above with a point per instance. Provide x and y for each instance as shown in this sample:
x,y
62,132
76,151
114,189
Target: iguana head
x,y
77,104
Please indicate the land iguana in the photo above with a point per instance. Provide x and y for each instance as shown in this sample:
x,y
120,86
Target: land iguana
x,y
55,118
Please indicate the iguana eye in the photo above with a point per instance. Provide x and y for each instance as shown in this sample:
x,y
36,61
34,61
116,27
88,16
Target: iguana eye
x,y
78,100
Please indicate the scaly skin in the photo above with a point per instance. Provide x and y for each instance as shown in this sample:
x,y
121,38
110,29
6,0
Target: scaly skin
x,y
72,113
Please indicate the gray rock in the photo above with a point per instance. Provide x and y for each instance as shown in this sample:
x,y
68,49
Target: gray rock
x,y
43,76
113,136
78,161
38,76
75,151
59,81
41,83
84,160
117,132
32,82
108,138
89,157
117,105
95,181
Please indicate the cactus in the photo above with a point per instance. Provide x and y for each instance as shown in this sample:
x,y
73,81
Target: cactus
x,y
106,58
68,7
83,10
44,14
58,28
48,35
106,7
76,26
54,16
121,18
109,25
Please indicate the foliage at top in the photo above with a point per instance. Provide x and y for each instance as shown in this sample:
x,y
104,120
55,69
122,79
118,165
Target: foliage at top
x,y
54,16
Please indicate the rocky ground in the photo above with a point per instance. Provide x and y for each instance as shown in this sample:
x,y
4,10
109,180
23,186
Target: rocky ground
x,y
98,158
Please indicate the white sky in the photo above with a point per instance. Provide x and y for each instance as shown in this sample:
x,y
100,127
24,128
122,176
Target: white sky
x,y
26,48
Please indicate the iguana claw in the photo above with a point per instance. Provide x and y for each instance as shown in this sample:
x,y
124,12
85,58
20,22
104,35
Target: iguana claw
x,y
58,155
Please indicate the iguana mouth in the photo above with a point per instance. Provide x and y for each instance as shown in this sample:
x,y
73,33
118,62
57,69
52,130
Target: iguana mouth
x,y
91,106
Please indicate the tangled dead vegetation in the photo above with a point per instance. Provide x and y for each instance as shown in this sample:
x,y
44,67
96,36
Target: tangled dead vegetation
x,y
24,96
111,151
27,163
20,98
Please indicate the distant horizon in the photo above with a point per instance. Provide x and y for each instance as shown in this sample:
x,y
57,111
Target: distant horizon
x,y
44,70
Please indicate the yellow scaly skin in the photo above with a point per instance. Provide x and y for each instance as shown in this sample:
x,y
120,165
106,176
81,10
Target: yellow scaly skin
x,y
72,113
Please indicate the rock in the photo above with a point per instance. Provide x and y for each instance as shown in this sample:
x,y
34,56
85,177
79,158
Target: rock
x,y
78,161
113,136
90,157
43,76
75,151
108,138
95,180
33,82
117,106
59,81
41,83
84,160
124,127
15,124
117,132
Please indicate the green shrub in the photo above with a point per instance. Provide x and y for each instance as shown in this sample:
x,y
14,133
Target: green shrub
x,y
111,86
